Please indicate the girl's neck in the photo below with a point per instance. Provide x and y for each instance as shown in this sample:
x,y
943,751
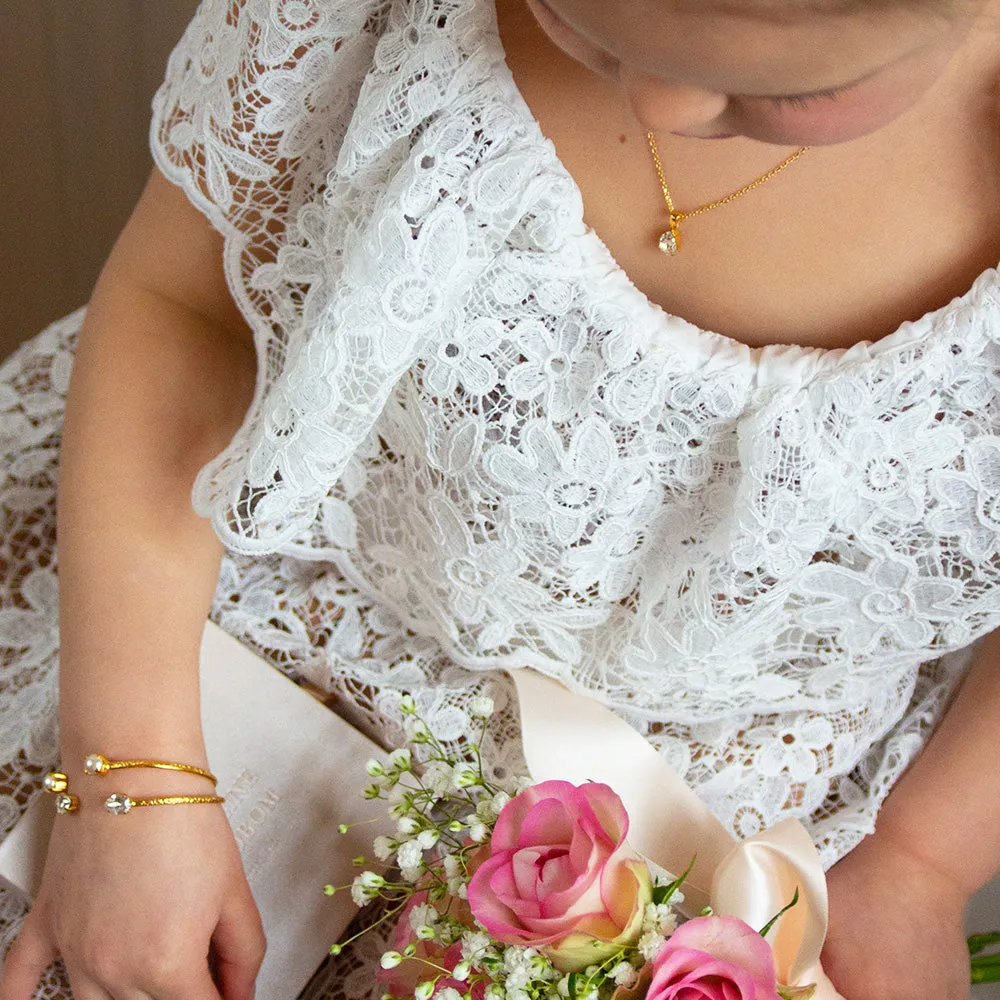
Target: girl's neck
x,y
844,246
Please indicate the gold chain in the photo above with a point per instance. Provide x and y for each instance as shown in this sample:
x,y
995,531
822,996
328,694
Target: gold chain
x,y
670,241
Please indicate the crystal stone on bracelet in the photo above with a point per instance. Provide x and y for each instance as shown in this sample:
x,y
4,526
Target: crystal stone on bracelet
x,y
95,764
65,803
117,804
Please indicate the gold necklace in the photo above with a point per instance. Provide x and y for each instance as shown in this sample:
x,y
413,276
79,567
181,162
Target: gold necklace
x,y
670,241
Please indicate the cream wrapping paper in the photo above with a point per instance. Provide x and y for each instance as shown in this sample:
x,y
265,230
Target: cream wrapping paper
x,y
574,738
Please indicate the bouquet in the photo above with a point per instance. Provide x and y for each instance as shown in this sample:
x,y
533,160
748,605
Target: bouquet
x,y
532,892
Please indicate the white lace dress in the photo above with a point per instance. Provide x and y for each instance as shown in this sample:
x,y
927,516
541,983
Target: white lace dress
x,y
474,444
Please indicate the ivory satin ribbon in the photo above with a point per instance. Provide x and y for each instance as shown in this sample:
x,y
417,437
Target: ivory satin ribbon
x,y
574,738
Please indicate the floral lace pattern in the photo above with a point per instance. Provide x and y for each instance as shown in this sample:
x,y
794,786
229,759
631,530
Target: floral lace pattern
x,y
474,445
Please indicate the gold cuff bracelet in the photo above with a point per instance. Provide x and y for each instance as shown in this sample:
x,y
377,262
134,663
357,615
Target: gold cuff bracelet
x,y
97,763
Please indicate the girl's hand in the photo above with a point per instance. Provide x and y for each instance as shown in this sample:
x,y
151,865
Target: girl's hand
x,y
896,927
133,904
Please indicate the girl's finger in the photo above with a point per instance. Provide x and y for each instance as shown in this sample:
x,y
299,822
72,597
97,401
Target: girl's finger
x,y
197,987
238,946
28,957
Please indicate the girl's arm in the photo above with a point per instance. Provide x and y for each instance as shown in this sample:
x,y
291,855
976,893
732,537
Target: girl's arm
x,y
163,374
946,809
897,900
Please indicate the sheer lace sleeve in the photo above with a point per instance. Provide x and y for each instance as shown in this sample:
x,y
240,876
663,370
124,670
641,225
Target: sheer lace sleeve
x,y
342,148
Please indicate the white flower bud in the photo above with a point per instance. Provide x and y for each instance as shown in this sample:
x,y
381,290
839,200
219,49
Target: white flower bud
x,y
390,959
407,825
400,759
382,847
461,971
424,991
481,708
428,838
464,775
370,880
426,933
407,705
375,768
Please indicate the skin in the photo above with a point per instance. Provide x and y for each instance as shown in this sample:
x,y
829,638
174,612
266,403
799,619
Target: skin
x,y
813,81
862,234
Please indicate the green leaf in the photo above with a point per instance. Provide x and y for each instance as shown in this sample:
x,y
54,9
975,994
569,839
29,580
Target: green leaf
x,y
985,974
571,984
662,893
977,942
784,909
986,961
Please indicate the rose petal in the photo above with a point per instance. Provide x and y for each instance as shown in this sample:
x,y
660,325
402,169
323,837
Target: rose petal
x,y
626,888
608,811
730,940
498,919
508,823
692,969
547,822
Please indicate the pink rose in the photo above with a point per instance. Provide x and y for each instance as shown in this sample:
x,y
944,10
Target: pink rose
x,y
714,958
560,877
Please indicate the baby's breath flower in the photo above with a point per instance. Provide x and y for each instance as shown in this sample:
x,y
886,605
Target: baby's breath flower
x,y
461,971
424,991
474,943
437,777
416,730
410,855
375,768
477,828
400,759
382,848
407,825
623,974
390,959
428,838
426,933
464,775
371,880
407,706
649,944
481,708
499,800
448,993
360,893
496,992
412,874
423,913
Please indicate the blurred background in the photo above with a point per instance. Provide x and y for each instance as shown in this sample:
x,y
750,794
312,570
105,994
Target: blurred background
x,y
77,78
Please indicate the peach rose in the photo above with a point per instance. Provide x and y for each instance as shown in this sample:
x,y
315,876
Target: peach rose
x,y
560,876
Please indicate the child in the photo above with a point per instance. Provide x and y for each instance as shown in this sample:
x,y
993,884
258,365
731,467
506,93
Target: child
x,y
488,427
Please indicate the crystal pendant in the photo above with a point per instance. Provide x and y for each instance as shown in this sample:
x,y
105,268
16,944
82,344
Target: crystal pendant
x,y
117,804
670,242
95,764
